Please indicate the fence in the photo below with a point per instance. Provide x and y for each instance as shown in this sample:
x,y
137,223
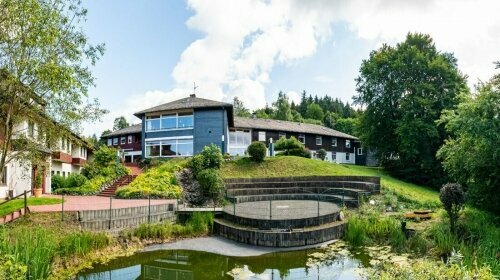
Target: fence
x,y
14,208
108,213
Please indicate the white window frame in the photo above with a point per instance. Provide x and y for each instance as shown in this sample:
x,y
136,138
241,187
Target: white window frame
x,y
320,140
303,136
129,139
169,116
123,140
334,156
334,141
347,143
262,136
110,141
176,139
360,151
115,141
347,157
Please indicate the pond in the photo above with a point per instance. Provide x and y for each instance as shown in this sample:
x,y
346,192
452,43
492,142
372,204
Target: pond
x,y
332,262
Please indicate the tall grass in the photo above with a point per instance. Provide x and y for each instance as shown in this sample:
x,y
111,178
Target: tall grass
x,y
199,223
374,229
32,247
477,239
81,243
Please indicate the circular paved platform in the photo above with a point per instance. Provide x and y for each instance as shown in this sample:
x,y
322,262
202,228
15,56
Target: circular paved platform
x,y
281,209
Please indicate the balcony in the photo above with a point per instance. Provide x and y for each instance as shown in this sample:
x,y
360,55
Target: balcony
x,y
78,161
62,157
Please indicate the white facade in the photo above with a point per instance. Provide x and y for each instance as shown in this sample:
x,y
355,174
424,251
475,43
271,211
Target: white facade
x,y
239,140
337,157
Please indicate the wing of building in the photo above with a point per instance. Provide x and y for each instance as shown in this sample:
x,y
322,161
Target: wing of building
x,y
183,127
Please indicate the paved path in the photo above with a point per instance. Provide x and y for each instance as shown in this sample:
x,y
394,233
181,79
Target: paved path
x,y
76,203
226,247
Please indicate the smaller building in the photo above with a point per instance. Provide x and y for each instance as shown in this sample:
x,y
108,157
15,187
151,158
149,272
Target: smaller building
x,y
129,141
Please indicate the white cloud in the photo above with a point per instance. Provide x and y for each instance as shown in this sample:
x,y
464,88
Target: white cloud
x,y
244,40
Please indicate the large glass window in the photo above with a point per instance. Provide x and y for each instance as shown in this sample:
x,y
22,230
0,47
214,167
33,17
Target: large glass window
x,y
153,149
153,123
169,148
185,120
170,121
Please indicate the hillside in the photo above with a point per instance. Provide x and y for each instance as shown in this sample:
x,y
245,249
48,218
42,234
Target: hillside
x,y
298,166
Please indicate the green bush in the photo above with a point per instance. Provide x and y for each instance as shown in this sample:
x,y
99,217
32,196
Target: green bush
x,y
322,154
72,181
157,182
105,155
11,269
453,198
90,187
257,151
288,144
212,156
211,183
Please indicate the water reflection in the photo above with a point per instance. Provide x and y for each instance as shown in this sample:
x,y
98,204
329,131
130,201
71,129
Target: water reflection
x,y
191,265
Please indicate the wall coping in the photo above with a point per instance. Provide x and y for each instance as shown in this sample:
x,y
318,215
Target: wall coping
x,y
368,179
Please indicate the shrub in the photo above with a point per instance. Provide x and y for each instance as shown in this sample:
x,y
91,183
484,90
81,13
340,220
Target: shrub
x,y
212,156
72,181
105,155
288,144
211,183
11,269
257,151
321,154
58,182
453,198
157,182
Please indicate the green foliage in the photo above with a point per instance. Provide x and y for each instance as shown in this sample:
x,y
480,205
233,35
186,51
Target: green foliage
x,y
347,125
257,151
33,247
283,108
239,108
199,224
211,156
72,181
428,269
453,198
81,243
472,154
404,89
211,183
372,228
314,112
104,156
10,269
288,145
321,154
157,182
120,123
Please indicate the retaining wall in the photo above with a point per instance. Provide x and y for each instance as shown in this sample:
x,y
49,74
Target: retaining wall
x,y
125,217
279,238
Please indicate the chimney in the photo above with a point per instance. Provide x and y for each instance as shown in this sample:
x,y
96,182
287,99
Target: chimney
x,y
192,95
254,115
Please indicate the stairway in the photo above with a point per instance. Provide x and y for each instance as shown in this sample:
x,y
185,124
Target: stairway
x,y
122,181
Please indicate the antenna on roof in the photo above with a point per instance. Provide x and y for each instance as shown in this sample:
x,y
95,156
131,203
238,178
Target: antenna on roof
x,y
194,90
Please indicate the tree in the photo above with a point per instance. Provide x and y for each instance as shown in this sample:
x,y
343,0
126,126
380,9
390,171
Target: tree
x,y
44,74
471,155
347,125
314,112
283,108
239,108
120,123
453,198
330,119
404,89
291,147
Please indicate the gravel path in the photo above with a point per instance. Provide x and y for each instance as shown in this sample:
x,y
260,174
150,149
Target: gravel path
x,y
76,203
222,246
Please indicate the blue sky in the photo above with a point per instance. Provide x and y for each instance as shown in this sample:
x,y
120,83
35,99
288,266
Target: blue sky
x,y
253,49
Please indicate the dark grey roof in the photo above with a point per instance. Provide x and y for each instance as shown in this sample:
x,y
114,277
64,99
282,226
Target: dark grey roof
x,y
136,128
191,102
286,126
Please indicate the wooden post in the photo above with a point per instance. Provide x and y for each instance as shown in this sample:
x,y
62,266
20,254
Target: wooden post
x,y
25,203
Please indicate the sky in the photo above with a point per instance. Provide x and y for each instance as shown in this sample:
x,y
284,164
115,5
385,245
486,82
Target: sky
x,y
252,49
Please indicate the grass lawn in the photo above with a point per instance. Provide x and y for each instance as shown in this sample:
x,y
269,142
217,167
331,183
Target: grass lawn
x,y
17,204
287,166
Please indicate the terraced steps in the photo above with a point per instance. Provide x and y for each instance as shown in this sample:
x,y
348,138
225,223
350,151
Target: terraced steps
x,y
122,181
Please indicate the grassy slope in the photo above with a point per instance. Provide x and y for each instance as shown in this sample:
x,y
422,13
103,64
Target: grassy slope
x,y
297,166
17,204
